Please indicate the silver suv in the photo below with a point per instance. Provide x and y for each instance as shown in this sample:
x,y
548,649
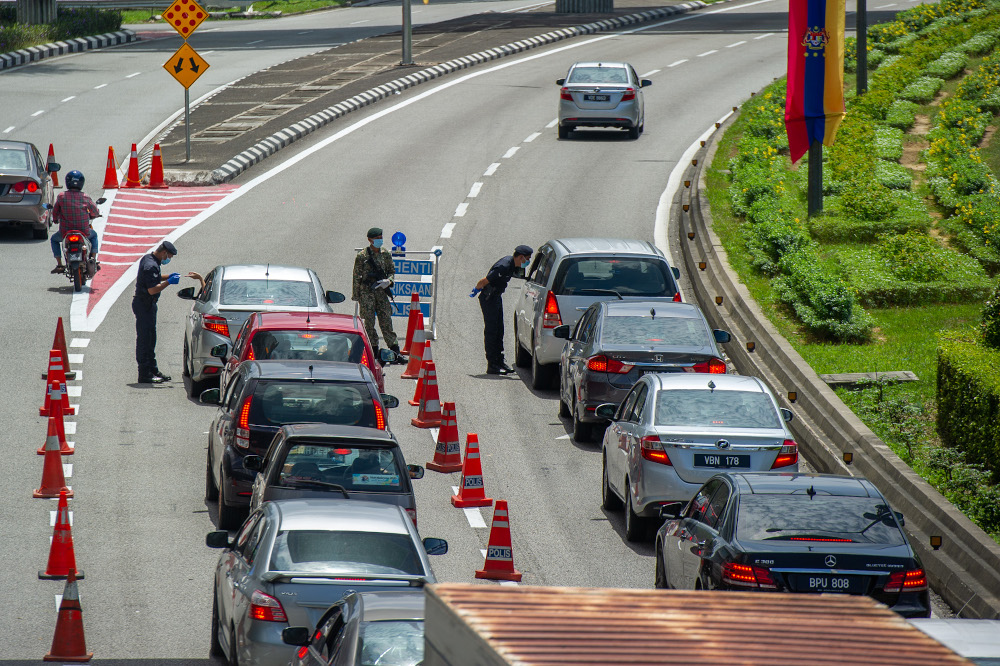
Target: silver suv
x,y
567,275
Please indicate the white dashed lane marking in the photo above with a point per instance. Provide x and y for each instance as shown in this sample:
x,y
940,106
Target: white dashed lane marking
x,y
75,358
766,34
52,518
100,86
532,137
678,62
650,73
67,470
448,228
740,43
9,130
68,98
460,209
472,514
492,169
74,391
552,123
70,427
707,53
474,192
511,152
79,342
38,113
133,75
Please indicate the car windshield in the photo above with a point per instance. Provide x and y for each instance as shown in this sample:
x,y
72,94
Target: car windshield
x,y
818,517
308,346
390,643
15,159
705,408
276,403
598,75
659,331
359,553
353,467
602,275
287,293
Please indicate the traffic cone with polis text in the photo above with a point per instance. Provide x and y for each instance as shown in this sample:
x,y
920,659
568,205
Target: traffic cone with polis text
x,y
419,392
447,449
499,552
412,370
59,342
68,643
111,171
415,322
471,492
62,560
53,480
429,412
156,170
57,382
132,179
49,161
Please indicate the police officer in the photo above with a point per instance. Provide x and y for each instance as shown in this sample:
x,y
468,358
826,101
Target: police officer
x,y
148,286
491,302
374,273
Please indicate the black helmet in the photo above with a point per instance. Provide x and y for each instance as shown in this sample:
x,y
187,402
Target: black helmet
x,y
74,180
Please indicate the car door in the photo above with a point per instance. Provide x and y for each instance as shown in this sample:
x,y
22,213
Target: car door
x,y
230,562
699,530
268,473
617,449
222,433
200,306
244,582
236,352
524,312
634,432
637,82
573,352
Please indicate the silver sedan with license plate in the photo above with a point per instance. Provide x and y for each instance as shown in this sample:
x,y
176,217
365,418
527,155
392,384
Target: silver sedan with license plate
x,y
674,431
602,94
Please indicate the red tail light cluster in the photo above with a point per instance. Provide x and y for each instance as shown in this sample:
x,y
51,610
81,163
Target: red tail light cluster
x,y
412,513
715,366
551,318
250,355
652,449
677,297
266,608
243,425
628,95
74,238
788,455
379,415
610,365
914,580
28,186
749,576
564,94
216,324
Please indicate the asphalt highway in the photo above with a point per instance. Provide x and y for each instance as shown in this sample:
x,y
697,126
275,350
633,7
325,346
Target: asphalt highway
x,y
470,164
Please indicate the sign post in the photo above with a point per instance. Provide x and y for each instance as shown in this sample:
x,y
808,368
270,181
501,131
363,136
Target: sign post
x,y
186,65
420,276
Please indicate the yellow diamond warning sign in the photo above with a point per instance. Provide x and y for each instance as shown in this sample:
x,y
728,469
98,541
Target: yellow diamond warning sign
x,y
185,16
186,65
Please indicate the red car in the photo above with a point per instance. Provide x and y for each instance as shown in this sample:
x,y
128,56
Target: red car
x,y
310,336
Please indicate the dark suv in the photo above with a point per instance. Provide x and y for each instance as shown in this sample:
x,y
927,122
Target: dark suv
x,y
261,397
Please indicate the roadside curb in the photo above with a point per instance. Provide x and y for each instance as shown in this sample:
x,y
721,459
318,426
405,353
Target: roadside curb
x,y
31,54
283,138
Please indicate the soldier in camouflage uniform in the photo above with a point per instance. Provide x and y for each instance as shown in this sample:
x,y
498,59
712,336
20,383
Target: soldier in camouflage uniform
x,y
373,276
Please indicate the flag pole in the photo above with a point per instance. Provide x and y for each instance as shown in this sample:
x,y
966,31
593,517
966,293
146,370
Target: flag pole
x,y
861,29
815,194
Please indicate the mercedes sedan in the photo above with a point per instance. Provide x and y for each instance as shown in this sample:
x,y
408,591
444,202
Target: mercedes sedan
x,y
602,94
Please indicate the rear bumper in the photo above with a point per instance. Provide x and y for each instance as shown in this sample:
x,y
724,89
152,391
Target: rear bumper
x,y
653,484
264,646
27,212
202,342
597,390
625,115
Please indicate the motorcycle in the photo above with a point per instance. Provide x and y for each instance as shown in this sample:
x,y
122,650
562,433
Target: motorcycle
x,y
80,265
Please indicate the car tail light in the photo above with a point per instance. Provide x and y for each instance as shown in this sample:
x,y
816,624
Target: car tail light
x,y
379,415
211,370
914,580
651,449
216,324
25,186
364,360
551,317
243,425
250,355
748,575
564,94
303,651
715,366
74,238
610,365
788,455
412,513
823,539
628,95
266,608
677,297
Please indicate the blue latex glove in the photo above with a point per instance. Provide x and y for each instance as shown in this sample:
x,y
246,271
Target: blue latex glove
x,y
174,278
475,292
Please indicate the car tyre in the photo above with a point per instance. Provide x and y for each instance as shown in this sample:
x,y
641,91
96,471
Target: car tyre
x,y
564,131
633,132
582,432
563,409
635,527
215,647
541,375
522,358
229,516
186,361
660,581
609,500
234,659
211,490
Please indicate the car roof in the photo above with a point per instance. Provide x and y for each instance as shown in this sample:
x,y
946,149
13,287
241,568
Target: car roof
x,y
392,605
673,381
339,515
599,63
312,321
23,145
769,483
263,272
605,246
298,369
318,431
662,306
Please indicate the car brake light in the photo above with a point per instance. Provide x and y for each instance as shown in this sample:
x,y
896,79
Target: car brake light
x,y
412,513
609,365
651,449
303,651
216,324
914,580
713,366
211,370
74,238
379,415
823,539
266,608
364,360
250,355
551,317
677,297
748,575
243,425
628,95
564,94
788,455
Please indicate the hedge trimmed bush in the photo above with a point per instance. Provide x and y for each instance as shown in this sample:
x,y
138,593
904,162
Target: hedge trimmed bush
x,y
990,326
69,23
888,143
893,175
978,45
923,90
968,401
948,65
902,114
821,301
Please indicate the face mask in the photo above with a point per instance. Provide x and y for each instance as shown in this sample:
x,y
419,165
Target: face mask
x,y
165,261
377,242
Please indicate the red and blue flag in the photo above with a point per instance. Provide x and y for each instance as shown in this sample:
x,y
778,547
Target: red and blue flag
x,y
814,101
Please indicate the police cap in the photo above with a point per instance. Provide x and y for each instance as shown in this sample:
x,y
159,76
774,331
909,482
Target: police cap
x,y
374,232
523,250
169,247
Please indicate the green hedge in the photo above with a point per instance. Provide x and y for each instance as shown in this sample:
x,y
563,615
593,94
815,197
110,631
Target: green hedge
x,y
948,65
69,23
968,401
902,114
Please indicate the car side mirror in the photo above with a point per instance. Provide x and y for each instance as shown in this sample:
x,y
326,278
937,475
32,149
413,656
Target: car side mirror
x,y
676,271
561,332
786,414
187,293
519,272
253,463
296,636
390,401
435,546
899,518
559,82
722,337
53,166
210,397
645,83
220,350
606,411
335,297
415,471
671,510
219,539
100,201
387,356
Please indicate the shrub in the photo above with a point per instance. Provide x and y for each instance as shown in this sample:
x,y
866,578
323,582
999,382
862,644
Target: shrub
x,y
821,301
897,45
990,326
948,65
893,175
875,57
888,143
888,61
902,114
69,23
867,200
981,214
771,232
978,45
18,36
922,90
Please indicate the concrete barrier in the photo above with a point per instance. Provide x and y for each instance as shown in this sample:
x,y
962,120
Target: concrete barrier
x,y
584,6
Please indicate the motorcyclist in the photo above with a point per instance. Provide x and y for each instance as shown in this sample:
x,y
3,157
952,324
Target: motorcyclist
x,y
73,211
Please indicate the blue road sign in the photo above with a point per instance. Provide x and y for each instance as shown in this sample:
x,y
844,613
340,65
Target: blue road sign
x,y
423,289
403,309
407,267
399,239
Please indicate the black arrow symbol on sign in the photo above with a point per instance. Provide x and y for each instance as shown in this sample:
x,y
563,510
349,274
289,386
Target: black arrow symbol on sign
x,y
194,67
179,66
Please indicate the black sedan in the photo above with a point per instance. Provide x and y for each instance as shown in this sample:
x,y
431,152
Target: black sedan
x,y
792,533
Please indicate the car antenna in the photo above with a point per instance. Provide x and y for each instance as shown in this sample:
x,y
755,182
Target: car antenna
x,y
711,386
267,275
652,312
311,378
811,491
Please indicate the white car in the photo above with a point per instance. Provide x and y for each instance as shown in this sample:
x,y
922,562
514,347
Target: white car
x,y
602,94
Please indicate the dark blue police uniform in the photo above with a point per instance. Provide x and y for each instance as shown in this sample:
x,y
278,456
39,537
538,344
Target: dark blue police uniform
x,y
491,303
144,308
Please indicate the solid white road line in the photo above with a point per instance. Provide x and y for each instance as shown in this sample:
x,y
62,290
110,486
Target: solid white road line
x,y
447,229
740,43
649,73
511,152
79,342
766,34
552,123
678,62
492,169
532,137
474,192
38,113
460,210
707,53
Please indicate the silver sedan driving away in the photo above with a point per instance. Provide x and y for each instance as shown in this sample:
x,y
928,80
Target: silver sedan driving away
x,y
25,188
602,94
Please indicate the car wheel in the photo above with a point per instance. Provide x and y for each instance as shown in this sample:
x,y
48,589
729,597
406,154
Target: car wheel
x,y
186,361
635,527
541,375
564,131
609,500
229,516
563,409
211,490
633,132
521,356
660,581
40,234
582,432
215,647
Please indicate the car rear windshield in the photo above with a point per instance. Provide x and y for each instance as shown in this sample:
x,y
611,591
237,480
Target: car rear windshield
x,y
705,408
803,517
659,331
354,467
289,293
391,643
14,159
607,275
308,345
598,75
345,553
277,402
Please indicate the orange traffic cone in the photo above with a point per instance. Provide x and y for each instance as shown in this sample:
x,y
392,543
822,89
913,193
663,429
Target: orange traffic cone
x,y
132,179
61,558
57,380
448,450
111,171
429,412
412,370
48,166
156,170
68,643
53,481
414,323
499,554
57,429
59,342
471,492
419,392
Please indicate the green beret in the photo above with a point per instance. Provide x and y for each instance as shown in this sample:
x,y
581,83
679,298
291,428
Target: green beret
x,y
374,232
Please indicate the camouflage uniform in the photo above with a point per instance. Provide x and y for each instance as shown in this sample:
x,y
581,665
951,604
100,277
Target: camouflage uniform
x,y
371,301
